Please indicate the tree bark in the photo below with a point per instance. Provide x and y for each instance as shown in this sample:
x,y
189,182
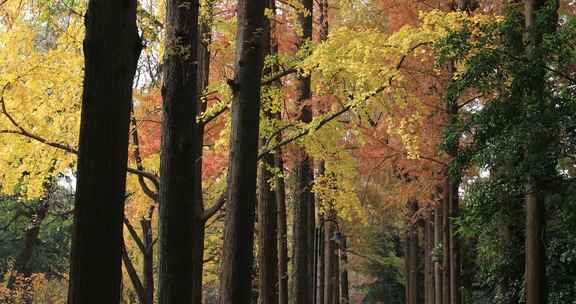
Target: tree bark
x,y
428,263
438,243
111,51
181,223
267,206
282,231
148,257
304,211
344,284
455,252
320,269
535,276
446,246
331,286
411,258
236,280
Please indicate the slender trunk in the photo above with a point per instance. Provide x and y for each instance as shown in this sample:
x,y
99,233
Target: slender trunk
x,y
428,263
438,243
133,275
535,272
331,261
282,231
304,200
455,258
148,257
267,206
535,250
181,206
320,269
446,247
411,258
111,51
344,284
236,280
267,235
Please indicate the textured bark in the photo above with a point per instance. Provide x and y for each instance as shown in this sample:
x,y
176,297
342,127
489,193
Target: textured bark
x,y
428,263
344,284
236,280
534,199
411,258
304,212
111,51
148,259
31,238
446,246
181,208
438,278
455,252
331,276
267,206
282,231
320,263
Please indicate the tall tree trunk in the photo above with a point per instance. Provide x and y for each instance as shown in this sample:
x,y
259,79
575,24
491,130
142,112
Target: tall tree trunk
x,y
148,257
330,260
111,51
320,264
282,231
455,253
446,246
535,287
236,280
181,223
344,284
411,257
267,206
438,243
428,263
304,211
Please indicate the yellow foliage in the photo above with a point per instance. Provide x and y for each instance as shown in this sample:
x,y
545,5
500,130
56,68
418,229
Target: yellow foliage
x,y
41,91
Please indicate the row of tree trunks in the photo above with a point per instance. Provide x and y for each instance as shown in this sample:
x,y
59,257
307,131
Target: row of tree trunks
x,y
237,266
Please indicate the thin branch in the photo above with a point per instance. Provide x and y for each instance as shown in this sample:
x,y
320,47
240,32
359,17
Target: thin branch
x,y
210,212
136,282
135,235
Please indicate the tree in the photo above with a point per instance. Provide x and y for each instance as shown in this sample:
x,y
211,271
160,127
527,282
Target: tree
x,y
304,211
111,48
236,280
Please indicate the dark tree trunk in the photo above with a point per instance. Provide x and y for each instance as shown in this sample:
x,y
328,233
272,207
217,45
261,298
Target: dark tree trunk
x,y
331,285
267,206
304,212
181,223
446,246
111,51
428,264
535,250
412,252
320,270
455,253
534,197
438,243
344,284
31,238
148,257
236,280
282,231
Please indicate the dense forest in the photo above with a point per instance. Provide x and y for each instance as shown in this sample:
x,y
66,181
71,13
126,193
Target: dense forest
x,y
288,151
